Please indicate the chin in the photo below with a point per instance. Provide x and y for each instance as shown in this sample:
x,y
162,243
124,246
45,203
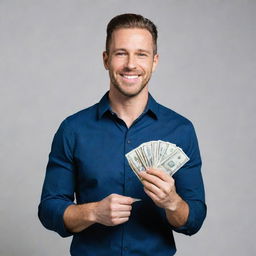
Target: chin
x,y
129,93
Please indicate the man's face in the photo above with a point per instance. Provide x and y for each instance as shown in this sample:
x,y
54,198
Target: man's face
x,y
130,60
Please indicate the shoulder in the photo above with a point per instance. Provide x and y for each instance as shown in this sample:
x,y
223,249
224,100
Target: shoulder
x,y
181,130
169,115
81,118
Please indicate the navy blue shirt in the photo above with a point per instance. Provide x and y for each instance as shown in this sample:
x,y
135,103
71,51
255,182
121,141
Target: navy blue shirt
x,y
87,163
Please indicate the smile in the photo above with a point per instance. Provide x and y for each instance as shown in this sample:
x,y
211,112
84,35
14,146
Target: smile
x,y
130,76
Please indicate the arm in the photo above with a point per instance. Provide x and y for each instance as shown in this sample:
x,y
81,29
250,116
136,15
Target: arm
x,y
57,210
79,217
112,210
177,215
184,216
160,187
182,196
59,183
189,184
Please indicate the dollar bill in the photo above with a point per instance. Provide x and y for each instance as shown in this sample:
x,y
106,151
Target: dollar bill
x,y
174,162
157,154
134,162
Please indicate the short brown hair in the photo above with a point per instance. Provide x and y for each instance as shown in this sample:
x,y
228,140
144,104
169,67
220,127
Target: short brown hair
x,y
130,20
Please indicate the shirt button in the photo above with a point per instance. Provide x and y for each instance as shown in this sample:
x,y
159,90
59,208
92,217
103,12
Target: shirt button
x,y
128,141
125,248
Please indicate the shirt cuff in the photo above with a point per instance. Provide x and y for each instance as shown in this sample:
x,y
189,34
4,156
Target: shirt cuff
x,y
197,213
60,225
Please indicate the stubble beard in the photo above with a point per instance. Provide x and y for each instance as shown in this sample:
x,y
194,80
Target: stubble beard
x,y
117,85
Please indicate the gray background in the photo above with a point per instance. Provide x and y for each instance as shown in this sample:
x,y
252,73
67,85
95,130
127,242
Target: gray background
x,y
51,67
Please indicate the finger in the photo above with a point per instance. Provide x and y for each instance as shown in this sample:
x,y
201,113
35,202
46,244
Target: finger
x,y
159,173
118,221
116,198
159,192
152,179
121,207
126,200
151,195
120,214
151,187
123,214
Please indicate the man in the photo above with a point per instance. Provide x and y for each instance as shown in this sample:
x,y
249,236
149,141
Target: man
x,y
87,160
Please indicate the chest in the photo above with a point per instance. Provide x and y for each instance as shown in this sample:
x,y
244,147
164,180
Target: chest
x,y
99,156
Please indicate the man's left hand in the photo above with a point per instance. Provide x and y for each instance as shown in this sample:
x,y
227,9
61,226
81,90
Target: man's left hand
x,y
160,187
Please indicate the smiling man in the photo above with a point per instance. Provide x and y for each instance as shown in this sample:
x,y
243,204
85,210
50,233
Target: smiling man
x,y
130,59
87,160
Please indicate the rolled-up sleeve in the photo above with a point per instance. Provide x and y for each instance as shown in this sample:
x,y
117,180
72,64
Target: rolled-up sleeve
x,y
59,184
189,185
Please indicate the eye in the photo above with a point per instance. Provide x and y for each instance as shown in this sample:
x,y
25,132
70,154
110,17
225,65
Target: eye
x,y
142,54
120,53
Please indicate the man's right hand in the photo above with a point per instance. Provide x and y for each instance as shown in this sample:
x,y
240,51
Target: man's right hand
x,y
110,211
113,210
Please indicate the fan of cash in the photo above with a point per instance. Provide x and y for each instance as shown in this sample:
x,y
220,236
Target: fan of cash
x,y
157,154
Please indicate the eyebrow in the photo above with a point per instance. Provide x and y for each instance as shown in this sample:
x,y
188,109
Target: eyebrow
x,y
119,49
139,50
146,51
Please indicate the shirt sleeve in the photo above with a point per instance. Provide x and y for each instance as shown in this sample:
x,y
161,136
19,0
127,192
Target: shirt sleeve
x,y
189,184
59,184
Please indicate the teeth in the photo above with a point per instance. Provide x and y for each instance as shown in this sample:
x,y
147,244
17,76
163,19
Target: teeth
x,y
130,77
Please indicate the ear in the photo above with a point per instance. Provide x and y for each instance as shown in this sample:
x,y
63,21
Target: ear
x,y
155,62
105,60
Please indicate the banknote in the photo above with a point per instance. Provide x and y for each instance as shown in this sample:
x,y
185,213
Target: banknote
x,y
157,154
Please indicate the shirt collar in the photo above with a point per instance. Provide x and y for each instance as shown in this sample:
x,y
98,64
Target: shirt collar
x,y
103,105
151,108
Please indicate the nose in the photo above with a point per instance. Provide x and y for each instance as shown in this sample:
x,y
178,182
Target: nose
x,y
131,62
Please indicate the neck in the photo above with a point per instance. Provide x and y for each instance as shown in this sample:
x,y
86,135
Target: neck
x,y
128,108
